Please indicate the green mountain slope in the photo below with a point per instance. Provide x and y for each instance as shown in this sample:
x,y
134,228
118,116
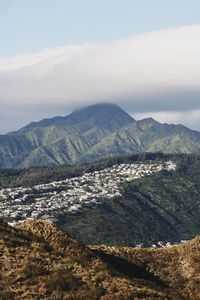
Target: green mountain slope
x,y
92,133
164,206
146,136
150,210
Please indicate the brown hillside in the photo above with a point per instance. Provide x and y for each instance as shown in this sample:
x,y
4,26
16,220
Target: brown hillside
x,y
39,261
178,266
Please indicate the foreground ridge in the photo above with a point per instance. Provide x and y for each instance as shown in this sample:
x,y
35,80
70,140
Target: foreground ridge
x,y
39,261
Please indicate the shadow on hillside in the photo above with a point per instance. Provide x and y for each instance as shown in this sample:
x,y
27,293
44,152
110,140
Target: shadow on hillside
x,y
129,269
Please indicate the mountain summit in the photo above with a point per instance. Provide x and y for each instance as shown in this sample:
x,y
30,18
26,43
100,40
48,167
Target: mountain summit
x,y
91,133
103,115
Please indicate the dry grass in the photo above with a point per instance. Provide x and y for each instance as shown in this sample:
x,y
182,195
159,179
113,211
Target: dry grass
x,y
178,266
39,261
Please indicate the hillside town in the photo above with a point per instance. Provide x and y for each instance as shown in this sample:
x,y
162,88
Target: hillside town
x,y
50,201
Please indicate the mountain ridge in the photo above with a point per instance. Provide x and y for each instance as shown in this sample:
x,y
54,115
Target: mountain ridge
x,y
87,134
79,115
40,261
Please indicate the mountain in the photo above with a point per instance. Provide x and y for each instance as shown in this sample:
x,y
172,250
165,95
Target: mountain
x,y
106,116
177,266
163,206
92,133
39,261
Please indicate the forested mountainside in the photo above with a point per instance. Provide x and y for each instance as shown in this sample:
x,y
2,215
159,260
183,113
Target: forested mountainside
x,y
38,175
162,206
92,133
39,261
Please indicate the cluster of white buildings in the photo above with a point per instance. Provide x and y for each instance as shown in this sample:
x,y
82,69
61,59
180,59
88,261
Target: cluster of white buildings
x,y
49,201
161,244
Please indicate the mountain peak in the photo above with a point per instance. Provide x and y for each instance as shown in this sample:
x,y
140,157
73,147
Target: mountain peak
x,y
105,115
101,105
147,123
98,109
90,133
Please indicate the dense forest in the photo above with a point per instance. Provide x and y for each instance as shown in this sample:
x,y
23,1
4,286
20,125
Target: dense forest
x,y
37,175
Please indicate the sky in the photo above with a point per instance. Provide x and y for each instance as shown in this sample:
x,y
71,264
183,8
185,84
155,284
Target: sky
x,y
57,55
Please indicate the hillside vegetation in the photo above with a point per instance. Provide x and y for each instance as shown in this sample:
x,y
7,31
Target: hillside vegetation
x,y
160,207
39,261
28,177
178,266
95,132
164,206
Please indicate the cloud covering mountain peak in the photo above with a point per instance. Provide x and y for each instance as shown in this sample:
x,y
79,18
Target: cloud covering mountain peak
x,y
152,72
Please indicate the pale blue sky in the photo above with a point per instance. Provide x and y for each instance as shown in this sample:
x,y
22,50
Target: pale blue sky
x,y
102,58
32,25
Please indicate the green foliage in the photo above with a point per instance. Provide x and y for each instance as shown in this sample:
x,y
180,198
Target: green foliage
x,y
38,175
93,133
164,206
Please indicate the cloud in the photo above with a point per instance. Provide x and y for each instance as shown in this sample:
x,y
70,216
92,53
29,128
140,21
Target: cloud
x,y
146,74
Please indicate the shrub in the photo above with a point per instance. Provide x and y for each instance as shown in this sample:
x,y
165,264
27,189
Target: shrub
x,y
31,268
62,280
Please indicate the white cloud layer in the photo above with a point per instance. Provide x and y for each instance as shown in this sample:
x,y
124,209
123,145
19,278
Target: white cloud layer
x,y
155,74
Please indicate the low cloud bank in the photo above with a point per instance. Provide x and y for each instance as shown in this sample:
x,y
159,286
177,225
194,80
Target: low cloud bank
x,y
155,74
